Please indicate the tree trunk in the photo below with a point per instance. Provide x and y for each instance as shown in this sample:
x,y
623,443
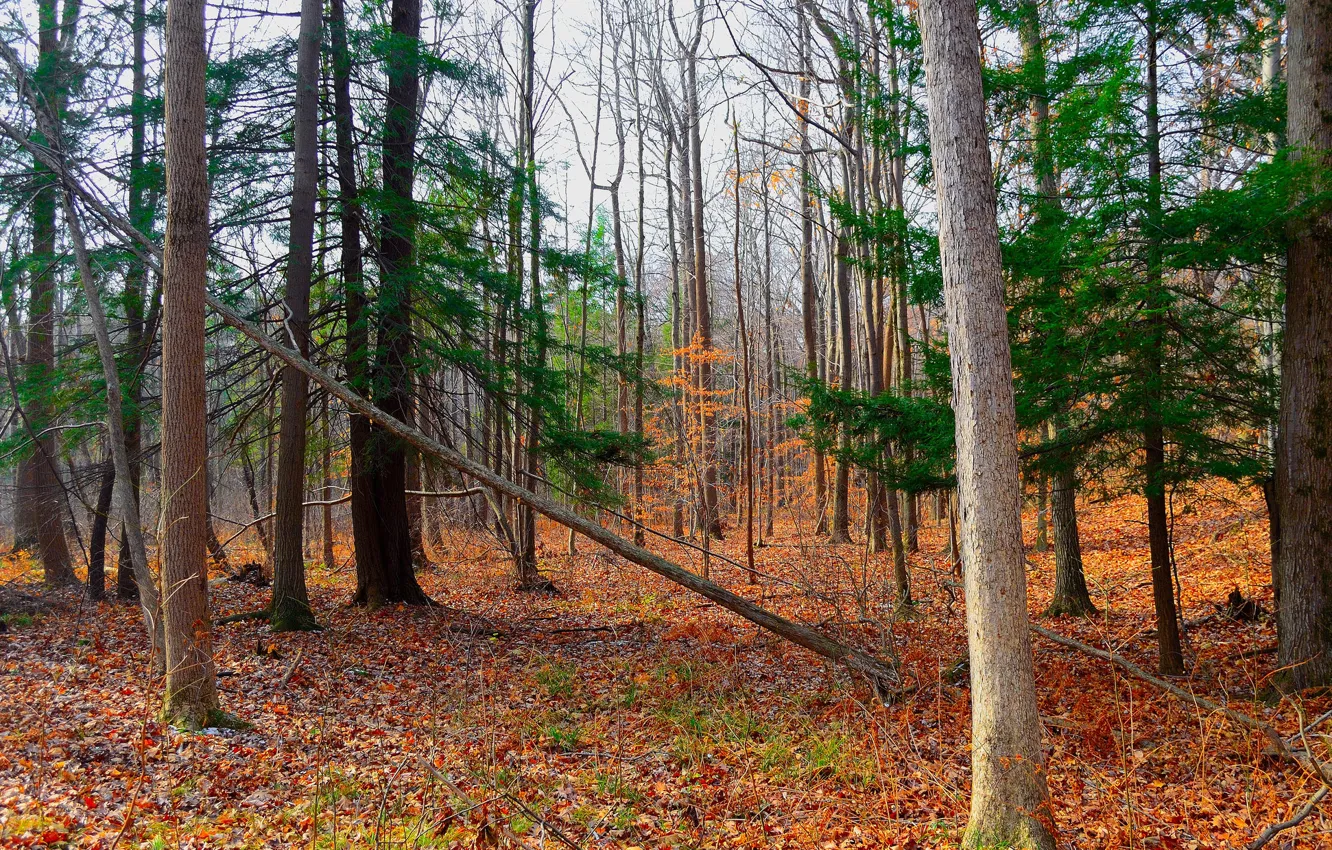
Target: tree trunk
x,y
289,609
141,216
1042,524
46,491
1303,463
1070,593
841,519
191,686
709,508
747,448
809,299
122,486
390,577
97,537
1170,652
1010,803
326,525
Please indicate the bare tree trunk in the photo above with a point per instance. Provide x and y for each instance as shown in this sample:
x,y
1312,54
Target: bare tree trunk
x,y
809,298
529,577
191,685
1171,654
710,515
747,449
1042,526
289,609
97,536
841,520
1304,466
1010,803
141,216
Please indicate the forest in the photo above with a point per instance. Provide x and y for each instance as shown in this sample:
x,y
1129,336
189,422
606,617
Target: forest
x,y
666,424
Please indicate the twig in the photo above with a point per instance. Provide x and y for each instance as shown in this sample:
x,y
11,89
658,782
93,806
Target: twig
x,y
291,668
1277,828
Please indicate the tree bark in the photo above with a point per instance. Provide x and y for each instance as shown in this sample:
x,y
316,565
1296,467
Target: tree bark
x,y
191,685
809,298
1070,593
390,576
1010,803
289,609
1303,463
45,492
1170,652
97,536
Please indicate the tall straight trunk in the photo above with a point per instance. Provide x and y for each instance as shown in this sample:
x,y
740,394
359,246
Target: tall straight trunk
x,y
191,684
289,609
640,320
141,216
710,515
770,367
1170,654
45,491
362,473
391,577
529,576
809,299
747,449
677,343
1010,802
1070,595
841,519
1303,463
1042,521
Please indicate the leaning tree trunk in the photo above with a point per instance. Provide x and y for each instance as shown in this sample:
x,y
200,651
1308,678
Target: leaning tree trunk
x,y
1010,803
1303,463
289,609
191,684
122,487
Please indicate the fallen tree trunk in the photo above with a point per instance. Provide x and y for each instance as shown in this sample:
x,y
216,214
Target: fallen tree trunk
x,y
1279,745
881,676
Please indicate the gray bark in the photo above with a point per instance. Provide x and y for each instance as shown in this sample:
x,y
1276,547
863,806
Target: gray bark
x,y
1010,803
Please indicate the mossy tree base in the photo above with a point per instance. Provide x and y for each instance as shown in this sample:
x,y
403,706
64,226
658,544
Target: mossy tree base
x,y
1070,607
292,616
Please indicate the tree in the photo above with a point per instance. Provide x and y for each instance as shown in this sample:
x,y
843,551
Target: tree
x,y
289,609
1010,803
1303,464
384,571
191,684
44,491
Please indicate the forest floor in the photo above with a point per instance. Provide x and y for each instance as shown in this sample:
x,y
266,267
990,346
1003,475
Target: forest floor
x,y
625,712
